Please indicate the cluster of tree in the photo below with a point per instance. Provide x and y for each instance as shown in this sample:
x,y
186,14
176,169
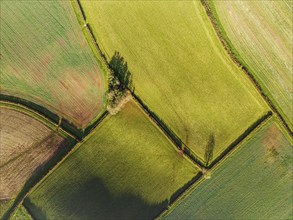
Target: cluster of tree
x,y
120,80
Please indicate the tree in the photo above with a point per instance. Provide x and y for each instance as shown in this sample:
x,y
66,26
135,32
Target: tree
x,y
120,80
209,149
120,70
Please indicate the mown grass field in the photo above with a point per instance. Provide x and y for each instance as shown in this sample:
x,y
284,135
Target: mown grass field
x,y
261,32
46,59
255,182
26,145
179,67
21,214
125,169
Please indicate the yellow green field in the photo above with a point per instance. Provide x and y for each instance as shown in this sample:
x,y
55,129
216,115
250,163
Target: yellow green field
x,y
46,59
125,169
261,32
255,182
180,69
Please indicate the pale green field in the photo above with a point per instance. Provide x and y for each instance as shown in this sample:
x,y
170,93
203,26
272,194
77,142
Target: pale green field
x,y
46,59
255,182
125,169
261,32
179,68
21,214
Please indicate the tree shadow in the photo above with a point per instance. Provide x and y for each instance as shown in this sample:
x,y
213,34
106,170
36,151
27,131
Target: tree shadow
x,y
93,200
209,150
120,71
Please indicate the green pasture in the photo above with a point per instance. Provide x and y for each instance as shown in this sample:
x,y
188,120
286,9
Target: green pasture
x,y
261,32
46,59
255,182
125,169
180,69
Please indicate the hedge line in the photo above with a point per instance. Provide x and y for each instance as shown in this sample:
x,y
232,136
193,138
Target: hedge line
x,y
37,108
66,125
241,138
181,190
79,134
167,131
235,56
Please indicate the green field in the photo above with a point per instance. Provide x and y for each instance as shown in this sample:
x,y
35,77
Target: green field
x,y
255,182
46,59
261,32
179,67
21,214
125,169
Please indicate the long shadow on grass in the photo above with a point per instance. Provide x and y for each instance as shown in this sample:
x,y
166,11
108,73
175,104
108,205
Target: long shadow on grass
x,y
93,200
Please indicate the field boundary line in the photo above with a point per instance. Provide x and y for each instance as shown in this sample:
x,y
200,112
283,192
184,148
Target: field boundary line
x,y
40,111
81,14
189,191
154,122
235,57
92,43
166,130
37,116
240,138
56,120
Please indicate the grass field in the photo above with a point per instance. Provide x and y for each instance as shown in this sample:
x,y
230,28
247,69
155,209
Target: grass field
x,y
255,182
21,214
180,69
25,145
46,59
125,169
261,32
